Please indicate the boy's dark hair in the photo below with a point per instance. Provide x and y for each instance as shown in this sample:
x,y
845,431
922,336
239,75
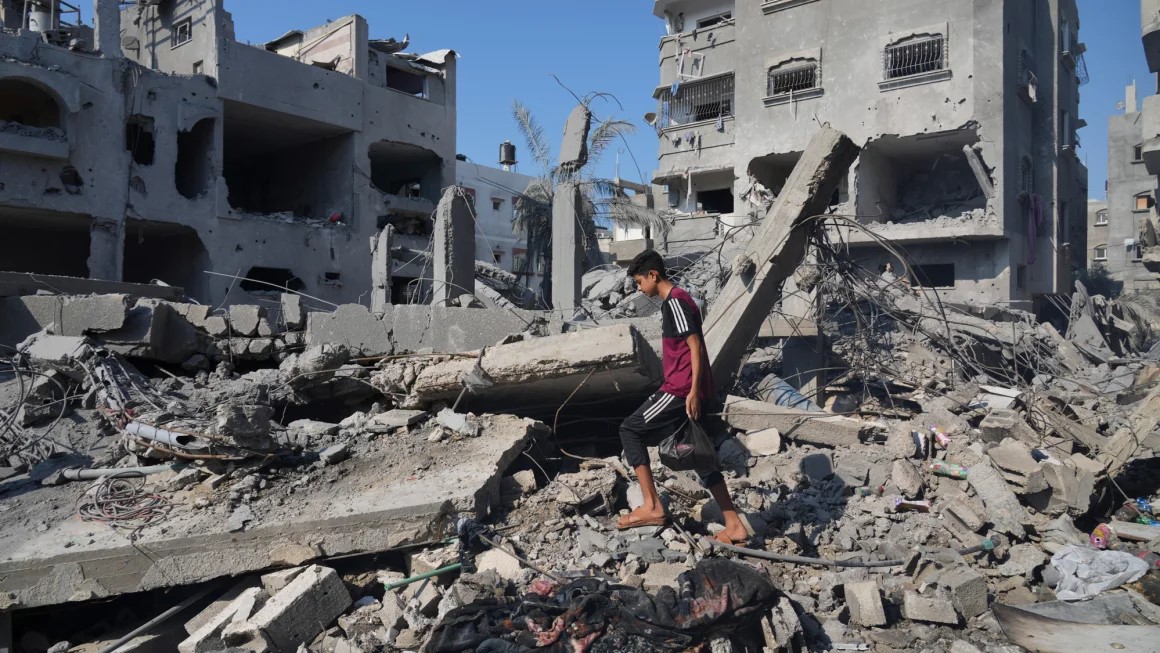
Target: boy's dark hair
x,y
647,261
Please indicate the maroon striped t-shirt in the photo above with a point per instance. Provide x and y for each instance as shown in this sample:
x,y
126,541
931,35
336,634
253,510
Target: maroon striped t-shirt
x,y
680,318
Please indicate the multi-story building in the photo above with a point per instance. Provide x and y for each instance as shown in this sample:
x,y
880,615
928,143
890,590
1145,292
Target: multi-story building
x,y
1097,229
496,192
160,147
967,112
1117,238
1150,131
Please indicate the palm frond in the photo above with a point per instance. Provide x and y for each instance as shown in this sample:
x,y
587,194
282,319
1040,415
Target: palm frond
x,y
622,210
607,132
533,135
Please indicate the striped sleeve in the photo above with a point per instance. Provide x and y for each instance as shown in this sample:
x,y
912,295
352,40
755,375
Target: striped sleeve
x,y
685,320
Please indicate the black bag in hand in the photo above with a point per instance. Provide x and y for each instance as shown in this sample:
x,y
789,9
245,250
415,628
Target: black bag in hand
x,y
689,449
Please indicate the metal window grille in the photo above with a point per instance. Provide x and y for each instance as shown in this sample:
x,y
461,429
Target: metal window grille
x,y
923,55
708,99
1026,178
798,77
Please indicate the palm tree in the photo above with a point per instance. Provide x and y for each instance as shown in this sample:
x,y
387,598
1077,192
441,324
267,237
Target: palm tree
x,y
604,201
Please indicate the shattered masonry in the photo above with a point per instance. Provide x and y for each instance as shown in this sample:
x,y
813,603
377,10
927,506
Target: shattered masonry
x,y
920,472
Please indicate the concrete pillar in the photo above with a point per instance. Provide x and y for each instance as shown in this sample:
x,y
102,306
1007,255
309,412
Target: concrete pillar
x,y
803,355
108,27
106,249
381,268
454,247
567,248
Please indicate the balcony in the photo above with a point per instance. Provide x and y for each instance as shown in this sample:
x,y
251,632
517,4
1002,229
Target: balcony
x,y
625,250
47,146
1150,32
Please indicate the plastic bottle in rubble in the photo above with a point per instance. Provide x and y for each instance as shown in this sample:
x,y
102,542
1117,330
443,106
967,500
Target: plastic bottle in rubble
x,y
949,470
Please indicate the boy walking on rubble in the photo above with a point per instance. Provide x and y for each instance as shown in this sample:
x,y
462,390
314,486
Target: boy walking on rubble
x,y
687,393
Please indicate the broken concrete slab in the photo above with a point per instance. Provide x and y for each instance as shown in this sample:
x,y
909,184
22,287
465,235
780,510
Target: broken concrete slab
x,y
541,369
244,319
865,603
292,314
353,326
796,425
1018,466
303,608
1003,509
762,442
909,482
775,252
931,609
49,567
451,329
968,590
208,636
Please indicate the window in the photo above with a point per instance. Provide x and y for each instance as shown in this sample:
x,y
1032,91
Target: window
x,y
1101,253
716,201
183,32
407,82
1028,82
470,192
1138,153
497,256
791,77
712,21
139,139
707,99
1065,131
1102,217
934,275
1142,202
915,56
198,67
518,262
1021,277
1137,251
496,203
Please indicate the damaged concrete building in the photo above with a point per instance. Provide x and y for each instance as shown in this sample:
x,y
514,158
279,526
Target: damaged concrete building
x,y
156,146
1148,147
1120,235
968,114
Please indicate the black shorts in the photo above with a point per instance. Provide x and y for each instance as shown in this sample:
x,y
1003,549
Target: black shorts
x,y
660,416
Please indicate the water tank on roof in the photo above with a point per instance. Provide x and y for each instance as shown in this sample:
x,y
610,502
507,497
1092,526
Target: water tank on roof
x,y
42,16
507,154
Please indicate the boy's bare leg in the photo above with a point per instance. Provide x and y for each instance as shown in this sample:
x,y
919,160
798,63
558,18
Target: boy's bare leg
x,y
735,530
651,509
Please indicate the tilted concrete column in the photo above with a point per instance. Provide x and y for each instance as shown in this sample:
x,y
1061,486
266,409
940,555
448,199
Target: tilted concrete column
x,y
567,247
106,249
454,247
775,252
381,268
108,27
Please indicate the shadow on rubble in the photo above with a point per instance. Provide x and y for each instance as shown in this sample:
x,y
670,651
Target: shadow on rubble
x,y
802,509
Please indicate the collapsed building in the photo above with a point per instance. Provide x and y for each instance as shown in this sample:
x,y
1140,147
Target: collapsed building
x,y
446,477
967,112
156,146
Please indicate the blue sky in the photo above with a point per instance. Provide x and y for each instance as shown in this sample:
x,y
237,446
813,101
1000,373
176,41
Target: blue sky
x,y
511,48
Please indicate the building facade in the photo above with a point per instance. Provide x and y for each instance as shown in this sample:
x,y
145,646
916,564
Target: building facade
x,y
1117,239
496,192
1150,131
1097,233
967,111
157,146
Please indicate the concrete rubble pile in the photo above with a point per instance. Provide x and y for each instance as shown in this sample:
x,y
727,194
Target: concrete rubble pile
x,y
391,481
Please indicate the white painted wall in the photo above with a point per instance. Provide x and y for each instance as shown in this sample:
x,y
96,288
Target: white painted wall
x,y
495,191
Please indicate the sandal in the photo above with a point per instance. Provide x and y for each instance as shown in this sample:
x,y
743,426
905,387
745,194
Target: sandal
x,y
749,533
630,521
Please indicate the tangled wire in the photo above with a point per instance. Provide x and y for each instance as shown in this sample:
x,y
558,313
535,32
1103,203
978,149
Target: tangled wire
x,y
121,501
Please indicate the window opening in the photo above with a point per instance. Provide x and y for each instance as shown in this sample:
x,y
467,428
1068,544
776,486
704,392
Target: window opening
x,y
194,159
258,280
719,200
1021,277
1138,153
139,139
198,67
1102,217
496,203
714,20
183,32
497,257
1026,176
1143,202
792,77
707,99
916,56
407,82
933,275
1101,253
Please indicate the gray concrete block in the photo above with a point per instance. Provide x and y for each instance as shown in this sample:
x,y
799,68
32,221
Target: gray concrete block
x,y
352,325
906,477
216,326
968,590
931,609
303,608
57,350
292,315
244,319
865,604
208,637
999,424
